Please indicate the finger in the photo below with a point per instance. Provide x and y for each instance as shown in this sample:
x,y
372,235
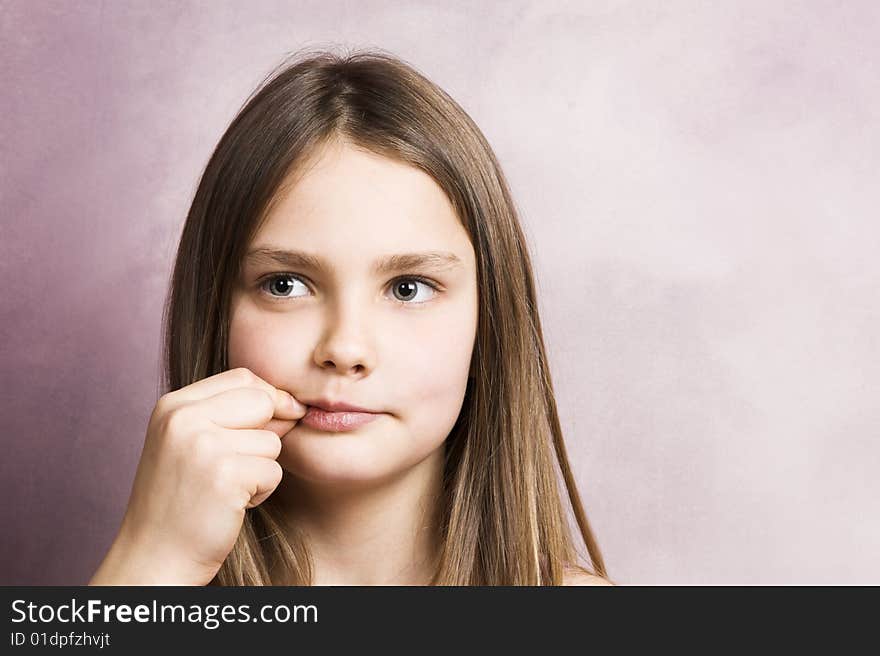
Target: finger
x,y
242,407
286,405
252,442
261,477
280,427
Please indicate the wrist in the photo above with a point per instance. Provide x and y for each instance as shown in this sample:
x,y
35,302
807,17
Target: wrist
x,y
132,562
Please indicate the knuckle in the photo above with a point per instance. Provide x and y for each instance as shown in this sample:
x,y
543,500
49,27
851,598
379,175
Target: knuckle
x,y
244,375
202,448
163,406
164,403
175,423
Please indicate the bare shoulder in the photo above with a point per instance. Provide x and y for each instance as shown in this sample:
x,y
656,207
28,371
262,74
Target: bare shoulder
x,y
575,576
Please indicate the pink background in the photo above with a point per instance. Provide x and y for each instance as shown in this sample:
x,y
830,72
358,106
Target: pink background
x,y
699,184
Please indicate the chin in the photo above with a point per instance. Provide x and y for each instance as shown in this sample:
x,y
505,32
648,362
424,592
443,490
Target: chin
x,y
343,459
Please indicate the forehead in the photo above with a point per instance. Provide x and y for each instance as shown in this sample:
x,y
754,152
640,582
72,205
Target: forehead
x,y
346,191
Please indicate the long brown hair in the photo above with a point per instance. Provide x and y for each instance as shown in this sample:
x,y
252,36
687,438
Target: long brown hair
x,y
502,517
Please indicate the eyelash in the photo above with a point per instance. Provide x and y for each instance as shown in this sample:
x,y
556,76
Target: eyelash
x,y
274,276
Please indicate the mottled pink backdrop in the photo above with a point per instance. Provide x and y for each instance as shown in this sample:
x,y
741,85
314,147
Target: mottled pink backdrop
x,y
699,184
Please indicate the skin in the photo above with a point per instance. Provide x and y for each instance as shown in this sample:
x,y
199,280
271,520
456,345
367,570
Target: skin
x,y
366,498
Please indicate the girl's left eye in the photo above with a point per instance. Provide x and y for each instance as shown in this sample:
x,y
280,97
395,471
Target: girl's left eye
x,y
407,286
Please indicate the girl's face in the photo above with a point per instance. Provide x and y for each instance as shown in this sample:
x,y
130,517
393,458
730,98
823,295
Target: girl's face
x,y
343,329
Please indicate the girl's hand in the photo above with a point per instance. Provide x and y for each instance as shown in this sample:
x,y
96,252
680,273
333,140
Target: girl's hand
x,y
207,457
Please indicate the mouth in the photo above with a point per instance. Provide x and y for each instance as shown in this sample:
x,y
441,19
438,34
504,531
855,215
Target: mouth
x,y
336,421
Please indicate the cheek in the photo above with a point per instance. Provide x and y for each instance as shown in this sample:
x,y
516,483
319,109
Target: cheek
x,y
240,346
431,381
242,338
435,402
435,375
255,343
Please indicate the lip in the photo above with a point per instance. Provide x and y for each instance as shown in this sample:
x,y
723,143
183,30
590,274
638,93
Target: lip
x,y
335,422
334,406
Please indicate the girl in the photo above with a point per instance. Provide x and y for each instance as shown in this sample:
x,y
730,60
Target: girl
x,y
352,278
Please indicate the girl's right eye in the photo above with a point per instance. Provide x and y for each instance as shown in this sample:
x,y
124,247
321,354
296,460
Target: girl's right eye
x,y
283,290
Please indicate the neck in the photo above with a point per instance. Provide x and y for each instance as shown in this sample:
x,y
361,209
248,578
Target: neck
x,y
377,533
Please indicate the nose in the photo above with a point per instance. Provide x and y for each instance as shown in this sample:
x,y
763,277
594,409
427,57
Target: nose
x,y
345,344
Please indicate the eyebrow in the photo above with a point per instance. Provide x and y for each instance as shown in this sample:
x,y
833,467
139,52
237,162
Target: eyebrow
x,y
436,260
